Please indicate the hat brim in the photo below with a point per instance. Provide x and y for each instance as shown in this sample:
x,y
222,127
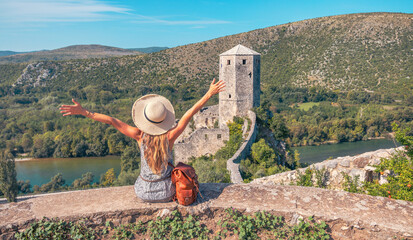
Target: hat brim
x,y
144,124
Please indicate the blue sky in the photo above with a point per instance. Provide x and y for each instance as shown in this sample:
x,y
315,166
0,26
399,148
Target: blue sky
x,y
27,25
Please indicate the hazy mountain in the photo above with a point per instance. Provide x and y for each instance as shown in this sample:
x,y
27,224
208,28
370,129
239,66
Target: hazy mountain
x,y
66,53
8,53
149,49
370,52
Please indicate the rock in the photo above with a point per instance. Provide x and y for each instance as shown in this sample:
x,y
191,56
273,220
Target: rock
x,y
344,228
383,180
374,161
361,162
370,168
98,220
345,162
126,220
163,212
357,172
331,164
296,219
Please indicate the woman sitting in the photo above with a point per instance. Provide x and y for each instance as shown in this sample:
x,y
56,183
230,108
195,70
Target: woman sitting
x,y
154,118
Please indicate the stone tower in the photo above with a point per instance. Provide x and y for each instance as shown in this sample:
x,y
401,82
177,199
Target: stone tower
x,y
239,67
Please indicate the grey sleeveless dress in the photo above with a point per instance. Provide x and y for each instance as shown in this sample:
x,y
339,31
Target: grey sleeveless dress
x,y
151,187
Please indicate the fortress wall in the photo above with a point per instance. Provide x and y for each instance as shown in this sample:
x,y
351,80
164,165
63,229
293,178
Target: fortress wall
x,y
205,118
360,165
201,142
349,215
243,151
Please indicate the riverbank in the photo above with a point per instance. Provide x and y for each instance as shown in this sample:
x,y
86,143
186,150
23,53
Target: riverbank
x,y
23,159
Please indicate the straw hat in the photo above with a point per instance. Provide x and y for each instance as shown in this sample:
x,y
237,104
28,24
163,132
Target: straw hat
x,y
153,114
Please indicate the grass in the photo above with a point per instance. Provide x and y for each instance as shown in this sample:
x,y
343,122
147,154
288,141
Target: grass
x,y
306,106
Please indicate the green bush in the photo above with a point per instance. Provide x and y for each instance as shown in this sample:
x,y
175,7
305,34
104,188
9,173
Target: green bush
x,y
8,181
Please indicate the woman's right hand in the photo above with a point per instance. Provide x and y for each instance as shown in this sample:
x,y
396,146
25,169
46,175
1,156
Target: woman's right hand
x,y
76,109
215,88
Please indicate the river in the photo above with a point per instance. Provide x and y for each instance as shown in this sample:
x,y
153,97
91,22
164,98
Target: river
x,y
314,154
40,171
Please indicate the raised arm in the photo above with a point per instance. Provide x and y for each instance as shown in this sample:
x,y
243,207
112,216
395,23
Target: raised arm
x,y
124,128
214,88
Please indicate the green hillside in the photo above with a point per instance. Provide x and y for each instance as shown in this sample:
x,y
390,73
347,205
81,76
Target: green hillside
x,y
364,52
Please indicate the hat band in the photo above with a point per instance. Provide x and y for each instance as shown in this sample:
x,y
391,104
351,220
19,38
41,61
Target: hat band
x,y
144,113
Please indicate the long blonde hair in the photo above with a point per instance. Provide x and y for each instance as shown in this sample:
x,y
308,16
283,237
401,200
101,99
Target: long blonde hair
x,y
156,152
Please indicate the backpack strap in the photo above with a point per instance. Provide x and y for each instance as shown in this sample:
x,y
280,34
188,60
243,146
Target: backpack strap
x,y
170,164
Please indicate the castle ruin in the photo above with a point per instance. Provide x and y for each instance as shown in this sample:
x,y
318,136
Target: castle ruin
x,y
239,67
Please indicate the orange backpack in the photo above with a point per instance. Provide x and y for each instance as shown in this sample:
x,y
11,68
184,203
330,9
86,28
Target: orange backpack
x,y
186,183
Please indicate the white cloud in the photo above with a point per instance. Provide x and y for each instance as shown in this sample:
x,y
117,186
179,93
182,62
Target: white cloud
x,y
147,19
43,11
57,11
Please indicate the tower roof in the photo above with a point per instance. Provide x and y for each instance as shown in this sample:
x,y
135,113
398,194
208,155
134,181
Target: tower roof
x,y
239,50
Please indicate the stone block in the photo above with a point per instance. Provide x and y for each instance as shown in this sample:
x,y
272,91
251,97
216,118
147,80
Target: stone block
x,y
164,212
374,161
126,220
370,168
331,164
345,162
360,162
357,172
319,166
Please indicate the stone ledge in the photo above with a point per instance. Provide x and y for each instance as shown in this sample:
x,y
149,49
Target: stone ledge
x,y
376,217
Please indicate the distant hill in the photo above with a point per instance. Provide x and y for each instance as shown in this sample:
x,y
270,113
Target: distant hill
x,y
8,53
149,49
370,52
67,53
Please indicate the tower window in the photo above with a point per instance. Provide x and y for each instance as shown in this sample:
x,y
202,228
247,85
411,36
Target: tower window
x,y
244,61
249,74
219,136
228,62
229,96
206,136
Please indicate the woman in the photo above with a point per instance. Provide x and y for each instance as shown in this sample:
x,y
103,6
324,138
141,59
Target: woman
x,y
154,117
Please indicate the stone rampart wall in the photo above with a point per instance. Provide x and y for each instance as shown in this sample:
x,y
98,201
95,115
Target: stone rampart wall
x,y
233,162
349,215
360,165
201,142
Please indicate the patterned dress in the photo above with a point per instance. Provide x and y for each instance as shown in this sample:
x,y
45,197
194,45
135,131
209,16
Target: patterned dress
x,y
151,187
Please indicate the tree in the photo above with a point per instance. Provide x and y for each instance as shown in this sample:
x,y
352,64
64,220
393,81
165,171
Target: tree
x,y
24,186
8,181
262,153
84,182
108,178
55,184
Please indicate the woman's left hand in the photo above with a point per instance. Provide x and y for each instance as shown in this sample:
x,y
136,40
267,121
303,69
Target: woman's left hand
x,y
76,109
215,88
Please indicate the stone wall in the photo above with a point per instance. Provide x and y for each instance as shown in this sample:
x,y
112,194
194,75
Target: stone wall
x,y
233,162
207,117
349,215
360,165
200,142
